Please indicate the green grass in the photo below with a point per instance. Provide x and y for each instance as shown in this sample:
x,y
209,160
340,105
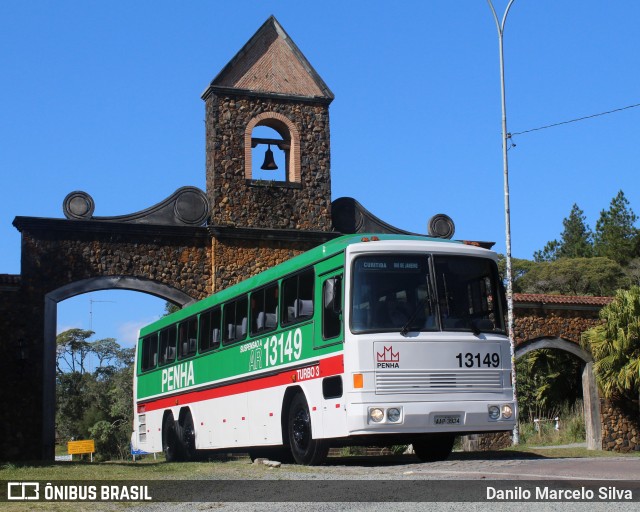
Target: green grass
x,y
572,427
147,469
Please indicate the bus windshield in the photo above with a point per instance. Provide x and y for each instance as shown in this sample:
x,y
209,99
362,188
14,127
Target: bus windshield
x,y
421,292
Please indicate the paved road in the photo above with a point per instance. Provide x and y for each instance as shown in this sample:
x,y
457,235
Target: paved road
x,y
380,476
473,466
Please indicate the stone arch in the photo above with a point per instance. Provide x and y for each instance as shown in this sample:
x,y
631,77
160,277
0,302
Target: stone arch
x,y
68,291
553,342
287,130
590,393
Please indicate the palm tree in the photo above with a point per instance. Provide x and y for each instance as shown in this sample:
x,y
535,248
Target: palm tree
x,y
615,345
547,379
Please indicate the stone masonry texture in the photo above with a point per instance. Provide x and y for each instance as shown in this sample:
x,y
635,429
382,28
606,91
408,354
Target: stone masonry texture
x,y
234,200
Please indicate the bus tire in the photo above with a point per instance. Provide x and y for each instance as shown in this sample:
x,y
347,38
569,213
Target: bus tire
x,y
187,437
434,447
170,440
305,449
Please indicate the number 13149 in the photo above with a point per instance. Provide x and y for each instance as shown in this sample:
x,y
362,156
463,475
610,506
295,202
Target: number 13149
x,y
478,360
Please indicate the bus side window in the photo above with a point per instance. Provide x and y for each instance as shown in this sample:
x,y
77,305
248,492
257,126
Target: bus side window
x,y
168,345
297,297
332,307
235,320
209,331
149,352
264,309
187,338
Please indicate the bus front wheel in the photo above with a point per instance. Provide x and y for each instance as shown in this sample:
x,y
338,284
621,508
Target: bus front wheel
x,y
434,447
304,448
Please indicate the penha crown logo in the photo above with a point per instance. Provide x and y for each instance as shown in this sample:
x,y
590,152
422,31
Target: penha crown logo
x,y
388,356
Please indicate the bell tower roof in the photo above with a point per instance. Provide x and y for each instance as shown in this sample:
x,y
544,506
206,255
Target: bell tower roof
x,y
270,63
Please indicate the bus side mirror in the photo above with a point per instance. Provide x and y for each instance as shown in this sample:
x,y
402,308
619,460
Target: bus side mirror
x,y
332,294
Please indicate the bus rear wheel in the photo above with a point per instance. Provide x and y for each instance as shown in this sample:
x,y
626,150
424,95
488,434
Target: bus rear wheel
x,y
171,445
187,436
434,447
304,448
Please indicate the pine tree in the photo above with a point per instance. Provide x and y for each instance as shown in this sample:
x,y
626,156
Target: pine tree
x,y
575,240
548,253
616,237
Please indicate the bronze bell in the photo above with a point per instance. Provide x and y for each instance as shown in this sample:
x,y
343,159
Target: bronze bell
x,y
269,163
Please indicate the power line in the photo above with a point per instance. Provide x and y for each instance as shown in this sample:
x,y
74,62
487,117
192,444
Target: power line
x,y
574,120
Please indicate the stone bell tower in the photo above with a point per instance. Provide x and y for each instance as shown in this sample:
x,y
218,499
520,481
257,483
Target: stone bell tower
x,y
269,83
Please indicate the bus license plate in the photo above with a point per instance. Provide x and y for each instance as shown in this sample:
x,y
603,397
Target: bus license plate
x,y
447,420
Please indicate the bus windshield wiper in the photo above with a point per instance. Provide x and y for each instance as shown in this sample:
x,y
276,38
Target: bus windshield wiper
x,y
419,307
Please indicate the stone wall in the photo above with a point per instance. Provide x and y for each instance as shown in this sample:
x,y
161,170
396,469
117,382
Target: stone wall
x,y
236,201
532,323
59,254
18,352
487,442
620,425
236,260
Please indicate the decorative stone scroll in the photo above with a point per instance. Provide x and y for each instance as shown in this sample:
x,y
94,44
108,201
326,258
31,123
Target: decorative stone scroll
x,y
187,206
349,216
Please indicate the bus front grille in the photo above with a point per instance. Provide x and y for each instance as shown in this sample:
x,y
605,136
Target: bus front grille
x,y
437,382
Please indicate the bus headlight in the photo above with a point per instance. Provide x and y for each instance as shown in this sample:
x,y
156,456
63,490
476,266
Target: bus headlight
x,y
507,411
393,415
494,412
376,415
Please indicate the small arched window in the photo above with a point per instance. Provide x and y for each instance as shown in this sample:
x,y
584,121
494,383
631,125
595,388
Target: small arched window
x,y
271,131
269,155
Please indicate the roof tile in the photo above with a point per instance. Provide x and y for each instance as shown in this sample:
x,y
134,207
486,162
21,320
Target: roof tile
x,y
524,298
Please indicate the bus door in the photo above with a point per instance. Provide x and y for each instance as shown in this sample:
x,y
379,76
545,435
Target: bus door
x,y
332,333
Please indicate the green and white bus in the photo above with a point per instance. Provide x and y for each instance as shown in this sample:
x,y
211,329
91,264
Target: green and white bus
x,y
369,340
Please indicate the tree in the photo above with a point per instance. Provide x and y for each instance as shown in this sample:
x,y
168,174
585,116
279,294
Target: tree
x,y
615,345
546,380
72,350
575,240
548,253
72,402
519,269
616,237
573,276
170,307
632,270
94,402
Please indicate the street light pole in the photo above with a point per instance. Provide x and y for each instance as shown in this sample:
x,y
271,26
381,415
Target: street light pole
x,y
507,210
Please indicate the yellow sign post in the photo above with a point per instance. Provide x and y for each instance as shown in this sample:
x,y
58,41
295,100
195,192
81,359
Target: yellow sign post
x,y
79,447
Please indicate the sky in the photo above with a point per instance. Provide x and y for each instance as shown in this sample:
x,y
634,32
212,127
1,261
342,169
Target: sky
x,y
104,97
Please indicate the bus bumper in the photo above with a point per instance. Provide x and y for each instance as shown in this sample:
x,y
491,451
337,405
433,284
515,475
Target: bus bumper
x,y
424,417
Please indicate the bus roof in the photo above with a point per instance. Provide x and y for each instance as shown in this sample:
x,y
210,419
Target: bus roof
x,y
321,252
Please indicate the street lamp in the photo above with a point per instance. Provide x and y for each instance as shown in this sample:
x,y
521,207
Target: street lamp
x,y
507,211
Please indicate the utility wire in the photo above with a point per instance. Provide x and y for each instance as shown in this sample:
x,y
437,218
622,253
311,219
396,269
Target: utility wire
x,y
573,120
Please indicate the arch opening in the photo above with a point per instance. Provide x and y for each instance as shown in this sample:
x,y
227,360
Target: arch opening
x,y
581,362
52,299
263,139
290,146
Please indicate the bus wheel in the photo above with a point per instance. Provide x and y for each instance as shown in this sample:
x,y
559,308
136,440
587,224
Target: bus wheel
x,y
187,436
304,448
433,448
170,441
